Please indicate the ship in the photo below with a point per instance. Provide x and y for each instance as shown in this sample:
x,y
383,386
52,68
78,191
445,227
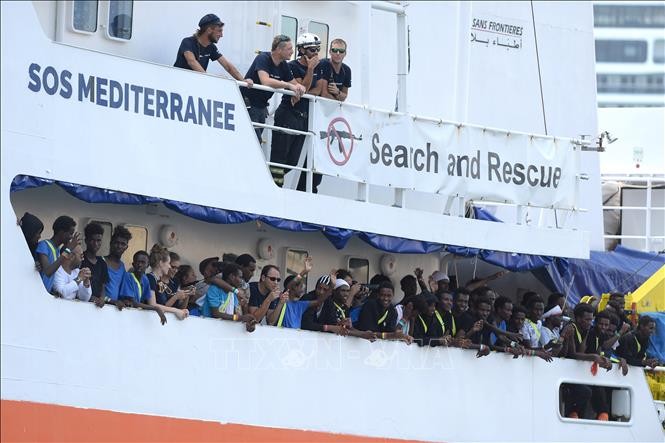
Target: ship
x,y
97,124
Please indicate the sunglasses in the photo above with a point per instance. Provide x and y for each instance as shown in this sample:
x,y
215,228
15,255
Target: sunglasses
x,y
312,49
337,50
277,279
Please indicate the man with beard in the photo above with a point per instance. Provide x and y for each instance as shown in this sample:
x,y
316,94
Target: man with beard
x,y
196,51
379,315
633,346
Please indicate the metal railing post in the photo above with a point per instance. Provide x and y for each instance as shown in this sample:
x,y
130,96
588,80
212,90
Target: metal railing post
x,y
648,217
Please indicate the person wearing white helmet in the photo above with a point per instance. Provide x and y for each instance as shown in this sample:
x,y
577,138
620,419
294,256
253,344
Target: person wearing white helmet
x,y
293,112
195,52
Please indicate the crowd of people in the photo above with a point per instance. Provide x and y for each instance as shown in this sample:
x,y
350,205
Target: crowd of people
x,y
307,74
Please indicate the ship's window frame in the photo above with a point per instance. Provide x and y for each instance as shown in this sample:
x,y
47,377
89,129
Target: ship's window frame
x,y
73,15
629,16
324,38
110,17
585,421
363,279
658,56
294,35
298,255
614,50
133,248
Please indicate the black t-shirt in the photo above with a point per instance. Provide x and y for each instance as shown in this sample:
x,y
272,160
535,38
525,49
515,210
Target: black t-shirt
x,y
332,313
100,274
340,79
465,321
374,317
310,296
632,349
299,71
425,329
450,323
263,62
203,55
256,298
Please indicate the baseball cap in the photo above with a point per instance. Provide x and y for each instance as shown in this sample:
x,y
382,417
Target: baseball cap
x,y
210,19
204,264
438,276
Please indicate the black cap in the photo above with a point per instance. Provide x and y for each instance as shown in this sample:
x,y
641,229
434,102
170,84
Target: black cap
x,y
209,19
204,264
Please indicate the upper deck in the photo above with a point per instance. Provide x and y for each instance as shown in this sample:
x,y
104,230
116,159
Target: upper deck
x,y
75,134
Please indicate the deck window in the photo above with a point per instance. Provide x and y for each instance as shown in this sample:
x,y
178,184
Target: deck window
x,y
294,262
659,51
85,15
621,51
359,268
139,241
322,30
290,28
120,19
615,402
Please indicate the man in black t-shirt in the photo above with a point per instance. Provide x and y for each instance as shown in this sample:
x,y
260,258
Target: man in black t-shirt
x,y
196,51
335,75
292,113
100,274
379,315
270,69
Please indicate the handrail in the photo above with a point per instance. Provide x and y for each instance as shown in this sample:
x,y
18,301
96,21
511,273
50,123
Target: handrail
x,y
363,189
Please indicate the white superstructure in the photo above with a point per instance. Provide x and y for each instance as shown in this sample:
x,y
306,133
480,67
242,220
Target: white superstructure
x,y
497,68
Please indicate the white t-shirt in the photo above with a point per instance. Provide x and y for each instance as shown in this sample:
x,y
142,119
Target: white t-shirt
x,y
531,332
64,284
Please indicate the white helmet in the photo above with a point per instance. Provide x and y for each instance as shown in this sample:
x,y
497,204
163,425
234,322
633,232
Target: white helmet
x,y
308,39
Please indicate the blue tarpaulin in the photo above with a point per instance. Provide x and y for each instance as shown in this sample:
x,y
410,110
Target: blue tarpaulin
x,y
621,270
657,340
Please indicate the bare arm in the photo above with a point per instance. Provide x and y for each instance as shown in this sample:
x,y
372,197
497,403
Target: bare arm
x,y
230,68
193,62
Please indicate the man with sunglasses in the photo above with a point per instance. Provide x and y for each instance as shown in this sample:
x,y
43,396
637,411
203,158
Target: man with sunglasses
x,y
270,69
335,76
292,112
264,294
195,52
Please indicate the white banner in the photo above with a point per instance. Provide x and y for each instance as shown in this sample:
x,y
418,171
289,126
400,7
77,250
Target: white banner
x,y
395,150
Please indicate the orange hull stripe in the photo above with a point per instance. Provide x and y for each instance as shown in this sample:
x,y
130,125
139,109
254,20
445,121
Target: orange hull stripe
x,y
28,422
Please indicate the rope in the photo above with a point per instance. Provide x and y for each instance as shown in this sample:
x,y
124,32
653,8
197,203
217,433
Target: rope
x,y
540,80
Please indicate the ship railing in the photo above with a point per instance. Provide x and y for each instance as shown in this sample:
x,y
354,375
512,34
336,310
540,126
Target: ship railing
x,y
649,183
454,205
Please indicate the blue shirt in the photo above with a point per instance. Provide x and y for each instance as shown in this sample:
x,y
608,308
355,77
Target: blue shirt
x,y
503,326
340,79
112,286
215,297
130,289
52,253
299,72
293,313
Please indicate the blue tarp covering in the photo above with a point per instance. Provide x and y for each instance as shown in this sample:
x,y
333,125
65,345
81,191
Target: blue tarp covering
x,y
620,270
657,341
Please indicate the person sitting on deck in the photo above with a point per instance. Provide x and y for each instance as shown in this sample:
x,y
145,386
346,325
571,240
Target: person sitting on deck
x,y
69,281
135,287
380,316
93,234
633,346
116,268
48,251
